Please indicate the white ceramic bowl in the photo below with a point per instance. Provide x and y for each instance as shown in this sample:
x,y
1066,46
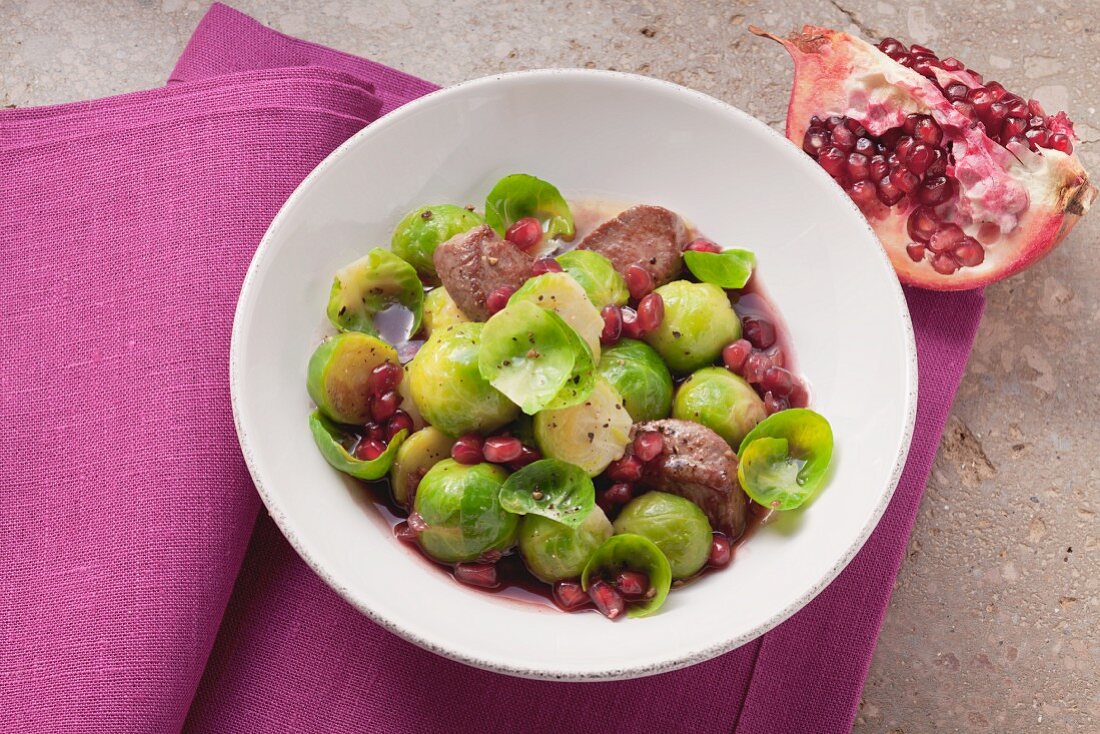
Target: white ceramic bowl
x,y
628,138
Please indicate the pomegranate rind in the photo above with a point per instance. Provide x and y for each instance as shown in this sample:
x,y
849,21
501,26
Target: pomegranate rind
x,y
1034,199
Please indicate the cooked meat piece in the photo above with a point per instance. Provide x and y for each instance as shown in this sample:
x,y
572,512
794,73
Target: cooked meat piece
x,y
699,465
650,236
473,264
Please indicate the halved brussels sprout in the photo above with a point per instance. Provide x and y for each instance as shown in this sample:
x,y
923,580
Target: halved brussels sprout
x,y
419,453
441,311
521,195
564,296
597,276
461,506
553,489
699,321
376,283
675,525
553,552
591,434
338,372
630,552
783,461
726,269
424,229
532,356
641,378
448,389
336,445
721,401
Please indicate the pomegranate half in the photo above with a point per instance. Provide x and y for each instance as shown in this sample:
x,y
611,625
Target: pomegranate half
x,y
964,182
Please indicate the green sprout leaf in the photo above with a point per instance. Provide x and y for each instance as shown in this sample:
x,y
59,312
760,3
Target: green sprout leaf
x,y
379,282
783,461
335,444
521,195
628,551
553,489
727,269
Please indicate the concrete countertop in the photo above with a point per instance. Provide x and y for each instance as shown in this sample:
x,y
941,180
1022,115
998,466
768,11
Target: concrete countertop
x,y
994,624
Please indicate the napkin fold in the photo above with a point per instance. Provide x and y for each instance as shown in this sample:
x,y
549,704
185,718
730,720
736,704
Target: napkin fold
x,y
126,225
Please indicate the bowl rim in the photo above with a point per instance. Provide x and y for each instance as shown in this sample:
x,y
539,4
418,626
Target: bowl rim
x,y
687,657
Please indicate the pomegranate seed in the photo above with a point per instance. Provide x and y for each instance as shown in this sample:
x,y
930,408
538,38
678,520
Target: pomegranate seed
x,y
626,469
996,90
778,381
631,328
384,377
721,553
375,431
926,66
608,601
545,265
901,57
735,354
988,233
755,367
648,445
946,238
921,158
888,193
863,193
612,324
928,132
775,356
815,140
774,403
1060,141
993,119
922,224
865,146
498,299
615,496
467,449
527,455
1035,108
915,250
952,64
935,191
980,98
759,332
384,406
969,253
904,180
477,574
833,160
369,449
632,584
1040,138
834,120
1017,108
651,312
944,264
401,421
853,125
955,92
639,281
843,138
964,108
525,234
416,522
569,595
859,168
904,146
501,449
890,44
702,245
938,166
800,396
916,48
402,531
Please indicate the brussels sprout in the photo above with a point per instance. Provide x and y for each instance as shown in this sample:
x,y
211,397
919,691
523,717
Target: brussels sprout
x,y
419,453
338,372
591,434
461,506
532,356
553,551
553,489
379,282
675,525
597,276
630,552
521,195
699,321
336,445
441,311
783,461
721,401
641,378
448,389
561,294
726,269
423,229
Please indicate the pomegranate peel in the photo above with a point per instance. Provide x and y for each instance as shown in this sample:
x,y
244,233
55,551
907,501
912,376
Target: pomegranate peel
x,y
954,151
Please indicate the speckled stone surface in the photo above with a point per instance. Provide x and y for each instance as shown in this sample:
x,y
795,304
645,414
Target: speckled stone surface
x,y
995,621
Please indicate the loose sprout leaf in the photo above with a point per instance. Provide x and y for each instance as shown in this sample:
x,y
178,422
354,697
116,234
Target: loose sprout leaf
x,y
726,269
558,292
528,354
628,551
376,283
521,195
583,377
554,489
595,273
783,461
334,443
